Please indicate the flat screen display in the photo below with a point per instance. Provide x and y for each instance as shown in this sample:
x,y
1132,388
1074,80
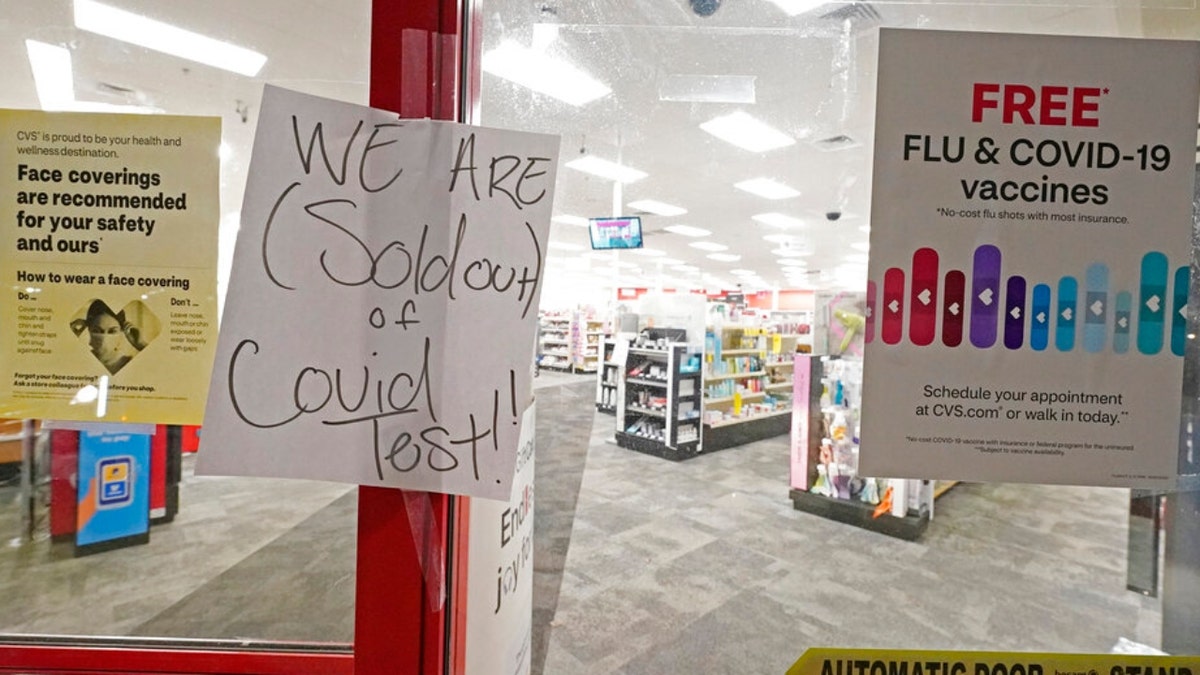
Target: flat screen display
x,y
615,232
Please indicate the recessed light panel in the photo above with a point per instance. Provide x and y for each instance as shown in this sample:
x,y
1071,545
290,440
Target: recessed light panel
x,y
767,188
657,208
606,169
746,132
118,24
687,230
778,220
707,88
565,219
543,73
708,246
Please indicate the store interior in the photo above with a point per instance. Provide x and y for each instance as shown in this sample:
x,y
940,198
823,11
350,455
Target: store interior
x,y
699,508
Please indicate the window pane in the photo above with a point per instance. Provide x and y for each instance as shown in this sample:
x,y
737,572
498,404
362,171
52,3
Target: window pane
x,y
241,558
704,565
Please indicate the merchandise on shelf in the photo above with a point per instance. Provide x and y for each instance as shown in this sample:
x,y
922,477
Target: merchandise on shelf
x,y
657,394
608,374
824,455
570,340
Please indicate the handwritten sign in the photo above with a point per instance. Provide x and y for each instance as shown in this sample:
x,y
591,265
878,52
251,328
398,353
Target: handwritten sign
x,y
382,302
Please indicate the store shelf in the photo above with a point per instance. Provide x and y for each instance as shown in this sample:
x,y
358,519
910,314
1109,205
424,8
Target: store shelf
x,y
787,364
736,376
729,399
656,448
555,341
740,352
747,420
779,385
645,411
855,512
649,352
740,432
657,429
942,487
649,383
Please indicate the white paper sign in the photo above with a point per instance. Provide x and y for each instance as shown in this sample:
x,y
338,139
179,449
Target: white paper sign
x,y
383,300
1030,254
499,590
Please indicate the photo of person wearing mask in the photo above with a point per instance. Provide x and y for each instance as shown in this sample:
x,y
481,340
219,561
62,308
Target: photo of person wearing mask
x,y
114,338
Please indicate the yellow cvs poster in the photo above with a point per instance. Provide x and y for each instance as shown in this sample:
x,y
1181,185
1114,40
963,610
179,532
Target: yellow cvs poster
x,y
108,245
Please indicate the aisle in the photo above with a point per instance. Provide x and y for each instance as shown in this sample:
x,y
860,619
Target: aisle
x,y
704,566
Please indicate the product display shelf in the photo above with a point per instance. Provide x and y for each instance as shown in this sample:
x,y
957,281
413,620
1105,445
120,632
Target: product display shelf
x,y
608,373
824,456
747,388
554,341
587,333
910,526
658,400
793,324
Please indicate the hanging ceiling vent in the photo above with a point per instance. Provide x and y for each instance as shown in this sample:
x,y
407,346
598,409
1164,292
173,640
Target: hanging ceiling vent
x,y
857,11
838,142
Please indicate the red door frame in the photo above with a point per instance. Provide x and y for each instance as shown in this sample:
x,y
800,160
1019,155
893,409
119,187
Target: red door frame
x,y
416,57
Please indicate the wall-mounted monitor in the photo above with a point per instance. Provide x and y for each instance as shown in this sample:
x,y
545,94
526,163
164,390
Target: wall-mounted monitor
x,y
615,232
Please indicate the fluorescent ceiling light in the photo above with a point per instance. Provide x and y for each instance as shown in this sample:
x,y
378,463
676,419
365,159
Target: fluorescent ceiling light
x,y
744,273
570,220
767,188
792,262
670,262
52,74
778,220
685,268
163,37
54,80
707,88
851,275
657,208
784,239
708,246
860,258
789,251
863,246
688,230
747,132
544,74
563,246
652,252
724,257
606,169
794,7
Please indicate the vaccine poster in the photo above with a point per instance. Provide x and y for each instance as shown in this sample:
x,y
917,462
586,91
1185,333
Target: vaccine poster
x,y
1030,257
108,239
383,300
